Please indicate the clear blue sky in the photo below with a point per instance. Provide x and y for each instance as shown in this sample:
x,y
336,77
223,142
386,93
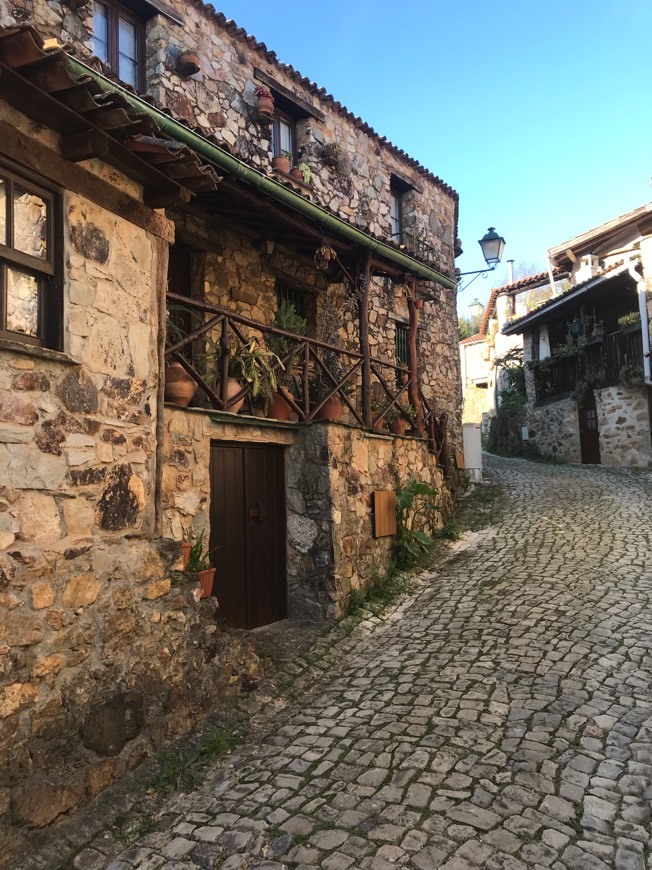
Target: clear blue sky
x,y
538,112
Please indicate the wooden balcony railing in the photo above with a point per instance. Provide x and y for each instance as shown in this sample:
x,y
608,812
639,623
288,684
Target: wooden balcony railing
x,y
603,360
307,362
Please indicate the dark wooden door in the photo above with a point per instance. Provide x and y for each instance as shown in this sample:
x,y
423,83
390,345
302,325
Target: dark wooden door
x,y
248,532
589,435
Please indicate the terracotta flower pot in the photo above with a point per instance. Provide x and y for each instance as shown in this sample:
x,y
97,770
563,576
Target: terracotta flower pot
x,y
378,424
279,409
206,580
186,546
332,409
265,105
295,172
179,386
233,387
188,64
418,304
282,163
399,426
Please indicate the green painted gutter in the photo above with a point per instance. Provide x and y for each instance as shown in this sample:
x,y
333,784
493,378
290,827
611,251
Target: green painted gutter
x,y
329,223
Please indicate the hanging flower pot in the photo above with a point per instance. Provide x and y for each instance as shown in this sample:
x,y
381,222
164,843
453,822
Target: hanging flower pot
x,y
188,64
264,101
179,386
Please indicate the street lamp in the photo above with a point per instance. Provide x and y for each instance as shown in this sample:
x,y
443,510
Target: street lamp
x,y
492,246
476,308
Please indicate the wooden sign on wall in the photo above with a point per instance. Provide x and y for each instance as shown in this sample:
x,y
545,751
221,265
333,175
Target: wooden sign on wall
x,y
384,513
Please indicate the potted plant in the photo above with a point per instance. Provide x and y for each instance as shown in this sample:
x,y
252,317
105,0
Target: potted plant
x,y
264,101
287,319
255,366
282,162
630,322
378,423
400,418
331,153
323,256
180,387
301,172
199,565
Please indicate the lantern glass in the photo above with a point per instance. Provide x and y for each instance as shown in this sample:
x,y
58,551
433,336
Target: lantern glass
x,y
492,247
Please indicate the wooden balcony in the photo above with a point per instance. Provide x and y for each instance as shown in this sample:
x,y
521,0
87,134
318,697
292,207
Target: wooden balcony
x,y
307,362
605,360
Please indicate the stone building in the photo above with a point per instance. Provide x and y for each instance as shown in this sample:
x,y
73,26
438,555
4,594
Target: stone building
x,y
587,350
138,231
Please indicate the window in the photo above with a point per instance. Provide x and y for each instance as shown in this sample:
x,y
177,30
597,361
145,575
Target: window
x,y
395,214
296,298
118,40
401,349
29,297
283,136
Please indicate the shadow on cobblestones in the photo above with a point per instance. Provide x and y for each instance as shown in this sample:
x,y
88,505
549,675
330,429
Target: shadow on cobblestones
x,y
499,716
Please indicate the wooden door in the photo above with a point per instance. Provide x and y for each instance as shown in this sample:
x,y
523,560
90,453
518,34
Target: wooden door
x,y
589,435
248,532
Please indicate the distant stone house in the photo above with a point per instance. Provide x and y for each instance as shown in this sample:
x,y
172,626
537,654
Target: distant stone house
x,y
140,231
587,350
480,354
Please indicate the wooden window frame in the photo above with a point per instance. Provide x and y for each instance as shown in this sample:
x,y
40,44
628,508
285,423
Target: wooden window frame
x,y
47,271
276,134
115,10
396,196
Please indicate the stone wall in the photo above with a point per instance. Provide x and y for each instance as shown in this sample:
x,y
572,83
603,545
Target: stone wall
x,y
554,429
220,101
624,426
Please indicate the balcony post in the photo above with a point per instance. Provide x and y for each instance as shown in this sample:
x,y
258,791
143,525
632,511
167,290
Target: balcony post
x,y
413,361
363,278
225,352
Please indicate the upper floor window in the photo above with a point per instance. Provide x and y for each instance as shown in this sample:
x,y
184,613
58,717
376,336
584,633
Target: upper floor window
x,y
29,298
119,39
283,136
395,214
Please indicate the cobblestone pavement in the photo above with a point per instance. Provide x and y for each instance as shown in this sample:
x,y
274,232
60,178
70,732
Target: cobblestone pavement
x,y
499,718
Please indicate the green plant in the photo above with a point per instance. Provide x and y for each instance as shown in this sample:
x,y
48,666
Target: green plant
x,y
629,319
287,319
328,332
286,154
199,558
183,769
406,412
413,508
631,375
331,152
586,385
306,172
256,366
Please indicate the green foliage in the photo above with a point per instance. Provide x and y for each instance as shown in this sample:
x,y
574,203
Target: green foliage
x,y
586,385
631,375
513,371
451,530
184,769
629,319
468,326
287,319
199,557
253,365
414,506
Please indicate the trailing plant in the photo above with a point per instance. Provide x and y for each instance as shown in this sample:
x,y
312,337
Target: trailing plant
x,y
586,385
631,376
306,172
414,506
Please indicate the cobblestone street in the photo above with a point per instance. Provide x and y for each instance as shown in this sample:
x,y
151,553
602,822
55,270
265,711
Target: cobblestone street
x,y
501,717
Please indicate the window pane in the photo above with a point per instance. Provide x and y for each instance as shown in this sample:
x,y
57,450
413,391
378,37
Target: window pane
x,y
128,52
395,214
100,32
22,302
3,212
30,223
286,137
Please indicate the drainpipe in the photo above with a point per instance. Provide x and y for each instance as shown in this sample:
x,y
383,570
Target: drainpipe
x,y
645,326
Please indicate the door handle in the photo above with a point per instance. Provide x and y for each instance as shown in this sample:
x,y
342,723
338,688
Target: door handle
x,y
258,512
